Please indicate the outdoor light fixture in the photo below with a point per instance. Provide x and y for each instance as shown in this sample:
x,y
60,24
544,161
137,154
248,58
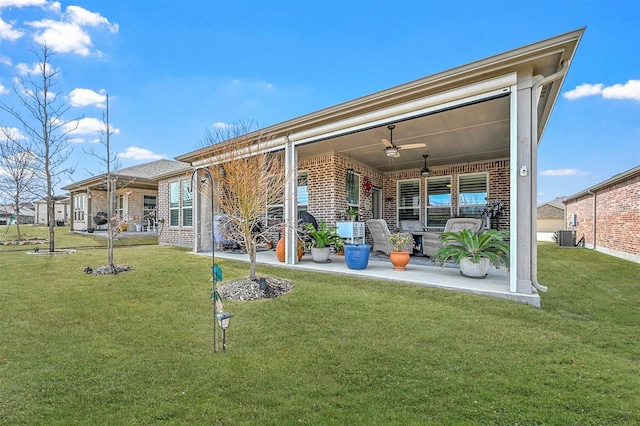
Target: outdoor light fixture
x,y
224,318
391,152
425,172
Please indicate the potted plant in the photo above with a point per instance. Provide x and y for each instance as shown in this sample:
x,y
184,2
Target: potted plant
x,y
321,240
352,213
474,252
401,242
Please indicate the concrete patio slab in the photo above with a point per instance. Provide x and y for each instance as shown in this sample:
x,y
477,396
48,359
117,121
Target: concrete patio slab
x,y
496,284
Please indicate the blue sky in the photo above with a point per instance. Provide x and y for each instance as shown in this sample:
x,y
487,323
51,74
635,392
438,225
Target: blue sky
x,y
174,68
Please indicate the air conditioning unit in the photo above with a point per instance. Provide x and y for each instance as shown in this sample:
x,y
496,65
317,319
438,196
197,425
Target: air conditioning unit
x,y
566,238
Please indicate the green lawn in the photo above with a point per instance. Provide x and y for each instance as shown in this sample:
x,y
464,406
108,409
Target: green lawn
x,y
136,348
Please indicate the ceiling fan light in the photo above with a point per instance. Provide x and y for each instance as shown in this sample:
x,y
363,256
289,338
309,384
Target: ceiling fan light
x,y
425,170
391,152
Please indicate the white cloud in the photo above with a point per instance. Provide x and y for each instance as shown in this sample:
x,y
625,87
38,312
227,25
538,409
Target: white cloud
x,y
562,172
86,126
13,132
583,90
85,18
84,97
62,37
3,90
7,31
22,3
5,60
629,90
69,34
221,125
137,153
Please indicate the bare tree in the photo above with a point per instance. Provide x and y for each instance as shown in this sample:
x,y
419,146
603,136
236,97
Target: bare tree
x,y
110,161
18,179
45,126
249,178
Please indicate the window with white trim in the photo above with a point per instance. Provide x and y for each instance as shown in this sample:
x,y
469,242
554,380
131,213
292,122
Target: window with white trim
x,y
275,212
472,194
438,193
78,207
353,194
409,200
174,203
187,203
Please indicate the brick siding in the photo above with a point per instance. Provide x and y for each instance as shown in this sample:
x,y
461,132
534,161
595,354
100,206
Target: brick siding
x,y
617,225
328,194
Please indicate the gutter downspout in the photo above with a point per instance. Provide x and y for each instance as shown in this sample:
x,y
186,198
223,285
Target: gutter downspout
x,y
595,216
535,90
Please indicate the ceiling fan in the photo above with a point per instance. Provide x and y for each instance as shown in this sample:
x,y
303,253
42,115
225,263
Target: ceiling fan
x,y
392,150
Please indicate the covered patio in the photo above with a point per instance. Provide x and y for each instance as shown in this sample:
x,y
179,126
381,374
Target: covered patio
x,y
473,130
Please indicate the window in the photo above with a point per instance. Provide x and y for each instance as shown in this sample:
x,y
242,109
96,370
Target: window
x,y
353,194
303,191
119,207
472,190
438,200
149,207
275,212
409,200
187,203
78,207
174,204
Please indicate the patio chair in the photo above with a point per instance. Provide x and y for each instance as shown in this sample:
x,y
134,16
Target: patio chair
x,y
380,236
431,240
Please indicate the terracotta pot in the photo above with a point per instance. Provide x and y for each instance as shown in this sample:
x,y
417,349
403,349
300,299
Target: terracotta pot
x,y
280,250
400,260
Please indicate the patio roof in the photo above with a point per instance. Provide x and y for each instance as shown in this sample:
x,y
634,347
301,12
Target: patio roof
x,y
458,115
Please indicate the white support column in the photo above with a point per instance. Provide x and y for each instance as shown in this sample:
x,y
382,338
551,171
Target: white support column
x,y
290,203
524,186
513,185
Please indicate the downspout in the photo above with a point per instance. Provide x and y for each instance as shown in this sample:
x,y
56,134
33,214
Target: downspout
x,y
594,217
535,90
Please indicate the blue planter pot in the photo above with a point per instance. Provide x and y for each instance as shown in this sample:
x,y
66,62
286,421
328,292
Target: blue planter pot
x,y
356,256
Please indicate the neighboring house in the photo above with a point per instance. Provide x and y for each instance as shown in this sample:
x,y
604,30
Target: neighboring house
x,y
27,214
551,215
136,195
61,208
480,125
607,215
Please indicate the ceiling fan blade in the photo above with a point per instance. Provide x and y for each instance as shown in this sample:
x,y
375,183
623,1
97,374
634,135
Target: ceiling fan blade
x,y
412,145
387,143
397,155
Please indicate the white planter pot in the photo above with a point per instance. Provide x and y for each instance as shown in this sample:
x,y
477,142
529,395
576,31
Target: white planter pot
x,y
320,255
474,270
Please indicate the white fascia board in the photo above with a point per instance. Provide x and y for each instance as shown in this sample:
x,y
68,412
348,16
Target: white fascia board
x,y
429,104
275,144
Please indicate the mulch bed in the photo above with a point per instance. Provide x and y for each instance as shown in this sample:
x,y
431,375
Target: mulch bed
x,y
249,289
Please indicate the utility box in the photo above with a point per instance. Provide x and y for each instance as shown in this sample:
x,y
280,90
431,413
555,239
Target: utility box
x,y
566,238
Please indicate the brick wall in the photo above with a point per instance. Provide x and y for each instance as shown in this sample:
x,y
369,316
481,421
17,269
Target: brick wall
x,y
328,193
617,218
498,172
